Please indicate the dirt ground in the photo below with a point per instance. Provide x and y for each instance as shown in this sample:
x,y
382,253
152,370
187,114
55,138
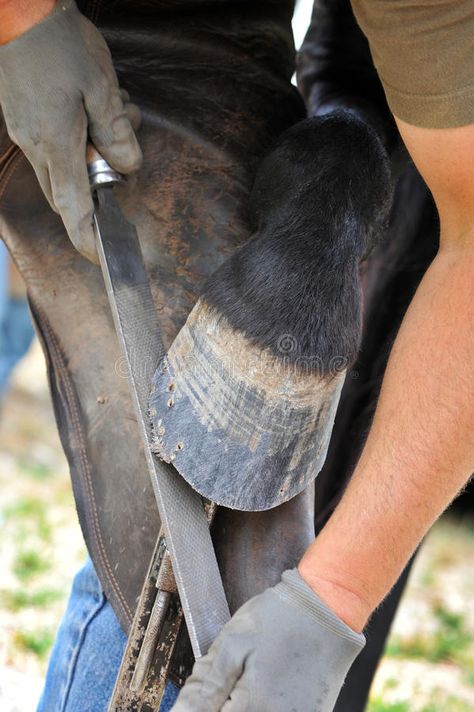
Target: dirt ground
x,y
429,662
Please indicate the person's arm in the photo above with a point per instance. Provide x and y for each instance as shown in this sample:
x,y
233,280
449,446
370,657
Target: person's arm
x,y
285,648
17,16
282,650
420,450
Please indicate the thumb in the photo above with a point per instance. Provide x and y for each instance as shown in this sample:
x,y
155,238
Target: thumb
x,y
212,679
111,131
73,200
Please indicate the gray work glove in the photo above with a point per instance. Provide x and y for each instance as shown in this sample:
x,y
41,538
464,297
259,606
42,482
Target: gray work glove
x,y
283,651
57,85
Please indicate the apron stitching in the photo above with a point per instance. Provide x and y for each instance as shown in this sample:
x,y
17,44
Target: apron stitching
x,y
86,467
84,464
12,164
92,10
9,149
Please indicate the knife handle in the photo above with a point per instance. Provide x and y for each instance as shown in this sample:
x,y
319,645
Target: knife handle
x,y
99,171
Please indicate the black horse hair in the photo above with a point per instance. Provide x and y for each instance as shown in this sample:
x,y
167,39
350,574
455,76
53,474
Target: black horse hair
x,y
320,202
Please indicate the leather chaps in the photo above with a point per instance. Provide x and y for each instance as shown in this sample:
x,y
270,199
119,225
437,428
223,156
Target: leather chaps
x,y
212,78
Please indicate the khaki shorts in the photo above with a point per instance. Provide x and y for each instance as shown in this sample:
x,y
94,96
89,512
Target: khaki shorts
x,y
424,54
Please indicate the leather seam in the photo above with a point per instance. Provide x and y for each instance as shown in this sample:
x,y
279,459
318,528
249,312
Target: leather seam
x,y
9,149
85,467
92,10
86,470
10,168
13,162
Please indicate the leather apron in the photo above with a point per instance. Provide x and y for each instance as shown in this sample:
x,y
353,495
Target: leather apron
x,y
213,82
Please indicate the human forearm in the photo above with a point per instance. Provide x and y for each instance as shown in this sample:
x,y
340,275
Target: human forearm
x,y
420,450
17,16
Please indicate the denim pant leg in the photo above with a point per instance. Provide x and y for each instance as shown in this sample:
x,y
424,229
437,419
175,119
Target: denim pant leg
x,y
87,653
16,328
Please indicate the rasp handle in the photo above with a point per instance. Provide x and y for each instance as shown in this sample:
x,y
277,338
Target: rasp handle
x,y
99,171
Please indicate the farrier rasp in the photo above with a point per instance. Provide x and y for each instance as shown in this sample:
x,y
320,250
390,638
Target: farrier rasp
x,y
181,508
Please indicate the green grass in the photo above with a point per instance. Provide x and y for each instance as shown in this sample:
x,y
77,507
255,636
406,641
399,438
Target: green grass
x,y
35,469
31,512
28,564
469,677
37,641
379,705
19,598
450,642
452,704
452,637
25,507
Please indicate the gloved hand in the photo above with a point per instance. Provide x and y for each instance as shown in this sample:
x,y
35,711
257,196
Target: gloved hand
x,y
283,651
57,85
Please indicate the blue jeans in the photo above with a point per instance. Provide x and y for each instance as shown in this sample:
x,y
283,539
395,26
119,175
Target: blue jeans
x,y
87,653
16,329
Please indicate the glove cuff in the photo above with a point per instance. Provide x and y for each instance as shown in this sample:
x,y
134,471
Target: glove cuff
x,y
52,18
296,591
56,13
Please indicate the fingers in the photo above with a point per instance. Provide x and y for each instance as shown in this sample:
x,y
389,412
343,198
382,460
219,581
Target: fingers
x,y
132,111
73,200
62,171
42,174
111,129
69,191
212,680
239,701
133,115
